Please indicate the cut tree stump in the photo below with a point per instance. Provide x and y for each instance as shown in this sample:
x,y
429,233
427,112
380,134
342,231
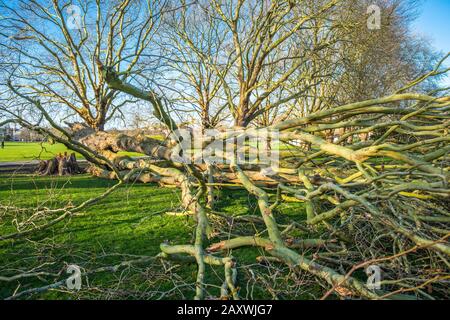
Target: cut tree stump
x,y
62,164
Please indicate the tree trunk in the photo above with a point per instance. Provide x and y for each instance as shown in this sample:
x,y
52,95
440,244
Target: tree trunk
x,y
60,165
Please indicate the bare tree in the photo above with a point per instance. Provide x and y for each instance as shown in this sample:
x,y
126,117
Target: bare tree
x,y
55,45
257,35
194,48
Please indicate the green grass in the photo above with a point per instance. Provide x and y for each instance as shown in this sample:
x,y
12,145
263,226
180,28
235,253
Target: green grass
x,y
119,224
128,222
26,151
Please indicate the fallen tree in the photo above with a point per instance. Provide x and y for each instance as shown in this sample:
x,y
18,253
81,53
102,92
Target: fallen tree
x,y
385,196
382,200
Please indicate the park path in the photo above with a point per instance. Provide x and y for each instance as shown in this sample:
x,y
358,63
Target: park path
x,y
25,162
18,163
25,166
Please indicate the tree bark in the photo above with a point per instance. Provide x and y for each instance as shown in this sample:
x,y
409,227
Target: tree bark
x,y
60,165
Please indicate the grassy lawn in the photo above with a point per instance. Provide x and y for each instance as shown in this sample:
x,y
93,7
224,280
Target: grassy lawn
x,y
120,224
128,223
26,151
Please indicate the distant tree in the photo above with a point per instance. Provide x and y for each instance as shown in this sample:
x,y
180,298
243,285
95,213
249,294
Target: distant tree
x,y
25,134
54,44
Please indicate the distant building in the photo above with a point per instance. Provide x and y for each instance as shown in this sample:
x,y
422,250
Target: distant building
x,y
27,135
23,134
8,133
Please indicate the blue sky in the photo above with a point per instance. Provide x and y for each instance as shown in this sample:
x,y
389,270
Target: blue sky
x,y
434,23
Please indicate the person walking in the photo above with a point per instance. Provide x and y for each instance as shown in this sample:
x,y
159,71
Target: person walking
x,y
3,144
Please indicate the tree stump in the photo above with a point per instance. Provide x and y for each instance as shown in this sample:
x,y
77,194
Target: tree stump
x,y
62,164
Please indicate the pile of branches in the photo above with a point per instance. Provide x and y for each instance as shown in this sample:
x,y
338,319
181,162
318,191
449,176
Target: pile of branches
x,y
379,201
